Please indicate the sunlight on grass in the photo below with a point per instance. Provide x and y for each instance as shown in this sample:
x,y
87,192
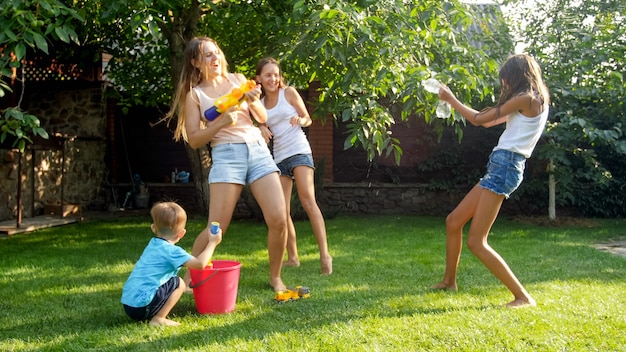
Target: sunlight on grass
x,y
64,295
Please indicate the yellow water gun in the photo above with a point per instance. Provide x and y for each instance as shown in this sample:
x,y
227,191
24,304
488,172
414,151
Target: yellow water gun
x,y
235,97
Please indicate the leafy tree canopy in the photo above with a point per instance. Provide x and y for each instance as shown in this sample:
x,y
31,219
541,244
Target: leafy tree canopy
x,y
28,26
582,48
369,57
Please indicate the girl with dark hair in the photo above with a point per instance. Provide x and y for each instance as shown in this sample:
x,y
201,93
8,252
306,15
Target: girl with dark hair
x,y
523,106
286,115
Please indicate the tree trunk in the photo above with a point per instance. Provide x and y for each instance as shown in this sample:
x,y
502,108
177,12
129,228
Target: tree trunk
x,y
200,161
178,32
182,30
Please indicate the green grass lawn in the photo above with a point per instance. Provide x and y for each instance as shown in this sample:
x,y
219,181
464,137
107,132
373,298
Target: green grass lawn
x,y
60,290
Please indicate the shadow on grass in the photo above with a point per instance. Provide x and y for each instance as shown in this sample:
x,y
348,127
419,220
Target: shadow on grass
x,y
62,286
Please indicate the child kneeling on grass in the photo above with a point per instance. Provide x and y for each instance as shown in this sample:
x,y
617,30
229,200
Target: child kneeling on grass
x,y
153,287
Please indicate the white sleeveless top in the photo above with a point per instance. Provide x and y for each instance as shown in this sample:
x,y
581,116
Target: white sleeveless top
x,y
288,140
522,133
243,131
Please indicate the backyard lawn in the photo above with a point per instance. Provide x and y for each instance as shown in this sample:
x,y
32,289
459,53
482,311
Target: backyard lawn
x,y
60,290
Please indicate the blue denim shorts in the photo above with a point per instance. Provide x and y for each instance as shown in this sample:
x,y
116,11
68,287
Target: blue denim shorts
x,y
505,172
160,298
286,166
241,163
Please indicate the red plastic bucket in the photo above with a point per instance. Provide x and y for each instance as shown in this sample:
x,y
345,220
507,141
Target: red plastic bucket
x,y
215,288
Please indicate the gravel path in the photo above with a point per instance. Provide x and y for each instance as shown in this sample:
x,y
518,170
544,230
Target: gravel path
x,y
616,247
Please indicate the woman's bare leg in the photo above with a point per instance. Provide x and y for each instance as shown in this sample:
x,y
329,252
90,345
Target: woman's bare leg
x,y
484,217
305,185
265,191
292,246
222,202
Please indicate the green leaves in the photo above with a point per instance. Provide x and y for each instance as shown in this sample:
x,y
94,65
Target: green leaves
x,y
583,57
32,23
20,126
24,25
40,42
369,58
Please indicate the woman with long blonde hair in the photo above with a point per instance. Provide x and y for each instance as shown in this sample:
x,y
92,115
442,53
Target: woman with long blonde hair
x,y
239,154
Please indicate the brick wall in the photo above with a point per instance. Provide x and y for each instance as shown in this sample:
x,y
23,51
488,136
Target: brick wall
x,y
320,135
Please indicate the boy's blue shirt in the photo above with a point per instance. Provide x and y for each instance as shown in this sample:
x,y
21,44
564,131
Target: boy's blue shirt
x,y
159,262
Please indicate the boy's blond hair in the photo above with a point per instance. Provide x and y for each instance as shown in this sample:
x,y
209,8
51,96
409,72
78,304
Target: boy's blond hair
x,y
168,218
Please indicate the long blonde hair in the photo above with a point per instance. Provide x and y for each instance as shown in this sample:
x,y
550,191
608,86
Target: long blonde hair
x,y
190,76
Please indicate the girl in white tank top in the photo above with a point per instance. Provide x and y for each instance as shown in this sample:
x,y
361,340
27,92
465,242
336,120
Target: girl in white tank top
x,y
523,105
287,114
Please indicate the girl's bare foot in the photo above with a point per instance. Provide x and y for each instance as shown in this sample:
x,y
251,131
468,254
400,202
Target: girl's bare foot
x,y
291,262
444,287
163,321
327,265
521,303
278,285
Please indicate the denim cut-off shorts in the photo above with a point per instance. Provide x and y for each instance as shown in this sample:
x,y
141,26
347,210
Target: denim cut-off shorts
x,y
241,163
505,172
286,166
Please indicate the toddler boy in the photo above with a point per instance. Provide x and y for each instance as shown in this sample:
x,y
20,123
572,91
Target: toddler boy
x,y
154,287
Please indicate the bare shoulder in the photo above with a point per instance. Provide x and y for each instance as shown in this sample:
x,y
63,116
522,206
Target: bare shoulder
x,y
192,96
291,91
528,104
240,77
291,94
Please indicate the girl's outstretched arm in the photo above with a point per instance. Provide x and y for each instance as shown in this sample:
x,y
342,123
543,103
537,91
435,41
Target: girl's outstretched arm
x,y
489,117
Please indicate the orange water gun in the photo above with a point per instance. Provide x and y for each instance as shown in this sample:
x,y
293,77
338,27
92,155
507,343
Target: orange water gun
x,y
235,97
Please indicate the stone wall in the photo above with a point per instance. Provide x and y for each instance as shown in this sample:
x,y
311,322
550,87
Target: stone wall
x,y
383,198
367,198
78,116
414,199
